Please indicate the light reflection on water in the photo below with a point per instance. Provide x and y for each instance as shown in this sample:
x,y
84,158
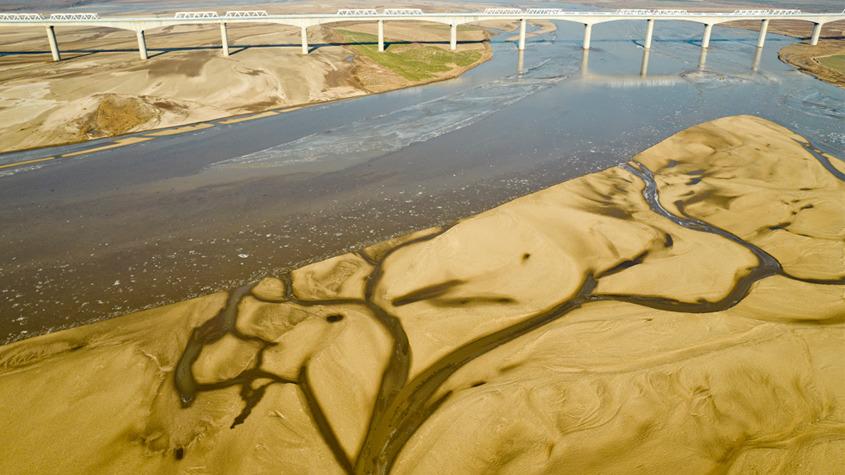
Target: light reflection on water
x,y
616,99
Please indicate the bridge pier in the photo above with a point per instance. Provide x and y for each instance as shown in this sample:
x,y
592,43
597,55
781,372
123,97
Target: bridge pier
x,y
758,55
224,39
304,35
702,59
523,26
588,35
142,45
649,33
54,45
453,41
381,36
817,33
585,63
708,32
764,28
644,64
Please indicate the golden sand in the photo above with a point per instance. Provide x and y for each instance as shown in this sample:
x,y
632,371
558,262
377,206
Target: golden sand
x,y
580,329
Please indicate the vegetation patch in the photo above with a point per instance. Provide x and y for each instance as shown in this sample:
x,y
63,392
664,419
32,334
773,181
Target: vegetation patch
x,y
835,62
413,62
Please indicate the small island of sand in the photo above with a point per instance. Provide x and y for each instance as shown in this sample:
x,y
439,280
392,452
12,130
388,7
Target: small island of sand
x,y
684,309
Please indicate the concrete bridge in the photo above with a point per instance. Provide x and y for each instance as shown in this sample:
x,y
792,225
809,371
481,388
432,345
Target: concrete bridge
x,y
589,19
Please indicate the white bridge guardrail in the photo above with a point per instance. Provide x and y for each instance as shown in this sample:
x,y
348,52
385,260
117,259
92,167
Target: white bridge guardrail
x,y
503,11
195,15
21,17
771,12
403,12
247,14
74,16
544,11
643,12
357,12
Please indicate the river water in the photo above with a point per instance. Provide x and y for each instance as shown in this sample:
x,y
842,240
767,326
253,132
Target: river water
x,y
186,215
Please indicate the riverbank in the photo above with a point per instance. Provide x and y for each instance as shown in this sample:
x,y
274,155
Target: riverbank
x,y
819,61
826,61
600,328
103,90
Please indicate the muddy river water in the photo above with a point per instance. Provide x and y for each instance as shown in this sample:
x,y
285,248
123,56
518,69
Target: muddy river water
x,y
108,233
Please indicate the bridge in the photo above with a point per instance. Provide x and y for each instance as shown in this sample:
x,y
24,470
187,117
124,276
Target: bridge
x,y
304,21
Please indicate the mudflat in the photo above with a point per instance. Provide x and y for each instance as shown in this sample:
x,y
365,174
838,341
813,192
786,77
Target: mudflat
x,y
683,309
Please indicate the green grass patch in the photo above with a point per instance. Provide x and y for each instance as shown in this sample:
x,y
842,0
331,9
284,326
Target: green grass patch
x,y
412,61
835,62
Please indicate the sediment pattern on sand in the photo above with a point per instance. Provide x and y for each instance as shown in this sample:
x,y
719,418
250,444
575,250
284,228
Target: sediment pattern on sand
x,y
686,309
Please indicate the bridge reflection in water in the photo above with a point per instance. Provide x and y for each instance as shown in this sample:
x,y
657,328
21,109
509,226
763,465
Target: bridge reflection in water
x,y
643,79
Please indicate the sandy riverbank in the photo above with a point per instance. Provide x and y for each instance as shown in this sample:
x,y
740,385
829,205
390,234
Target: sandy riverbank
x,y
102,88
583,328
807,58
812,60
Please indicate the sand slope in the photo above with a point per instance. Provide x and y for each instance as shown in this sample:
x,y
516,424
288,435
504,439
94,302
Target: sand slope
x,y
685,311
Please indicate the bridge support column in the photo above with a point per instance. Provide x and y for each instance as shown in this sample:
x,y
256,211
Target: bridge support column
x,y
224,39
588,35
758,55
304,36
817,33
142,45
644,64
585,63
649,33
453,40
381,36
764,28
708,31
523,26
54,45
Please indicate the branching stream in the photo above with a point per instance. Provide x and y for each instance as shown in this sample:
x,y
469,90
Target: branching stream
x,y
404,404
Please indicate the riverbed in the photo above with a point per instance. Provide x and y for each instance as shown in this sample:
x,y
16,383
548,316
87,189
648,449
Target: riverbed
x,y
108,233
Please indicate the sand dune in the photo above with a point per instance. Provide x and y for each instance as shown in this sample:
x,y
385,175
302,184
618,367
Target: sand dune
x,y
685,311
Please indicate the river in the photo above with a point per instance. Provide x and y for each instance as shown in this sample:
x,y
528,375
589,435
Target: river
x,y
143,225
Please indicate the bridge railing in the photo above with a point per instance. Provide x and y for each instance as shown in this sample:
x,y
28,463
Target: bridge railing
x,y
21,17
195,15
402,12
652,12
357,12
247,14
74,16
767,12
544,11
503,11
